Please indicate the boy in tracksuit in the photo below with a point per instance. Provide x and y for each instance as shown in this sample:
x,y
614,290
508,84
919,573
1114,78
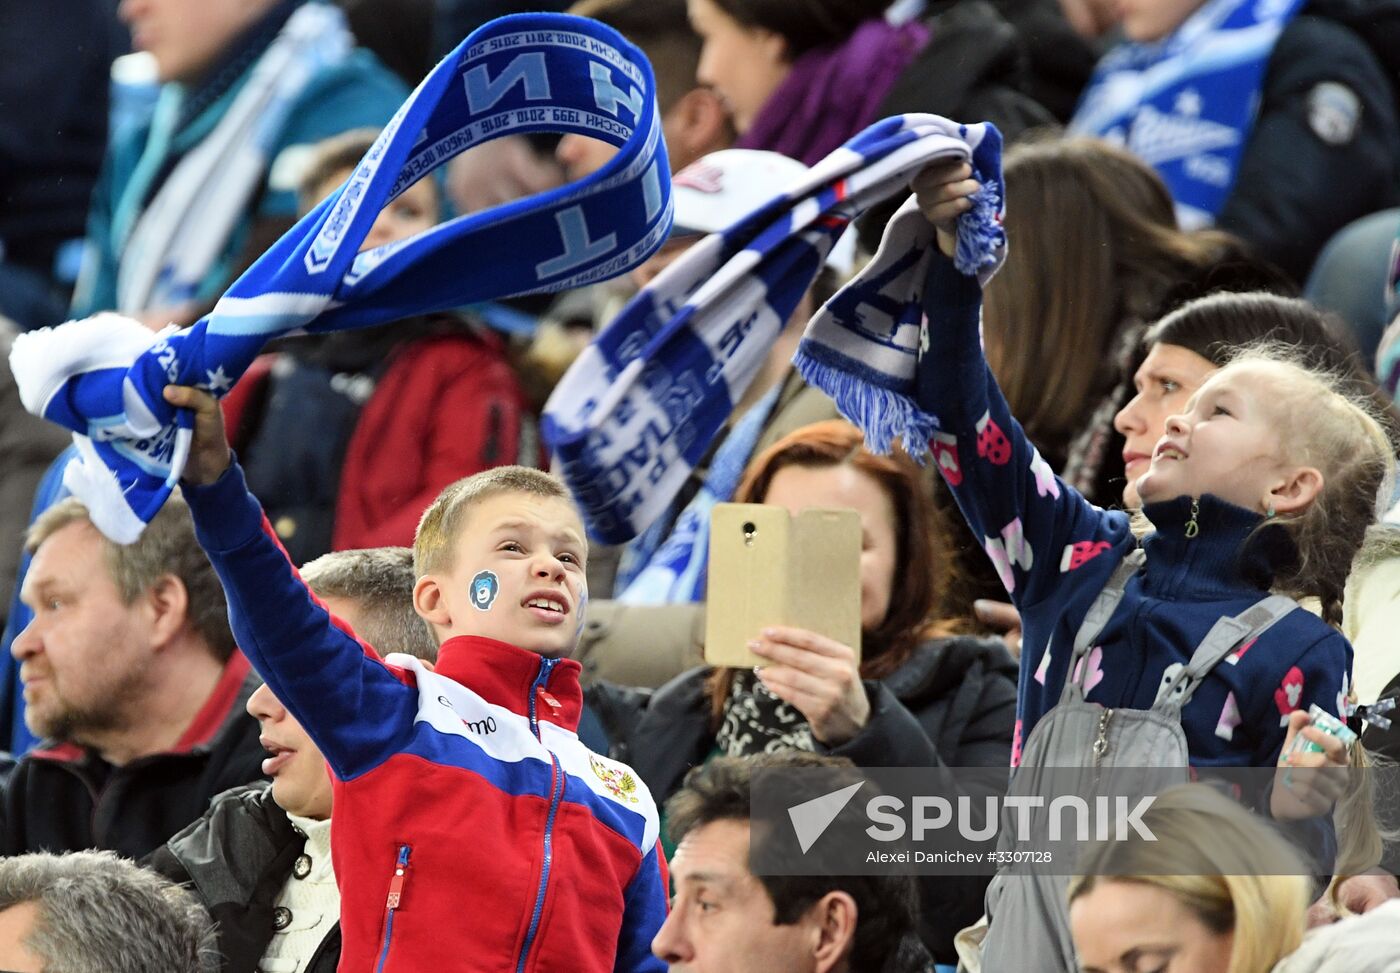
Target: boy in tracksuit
x,y
473,831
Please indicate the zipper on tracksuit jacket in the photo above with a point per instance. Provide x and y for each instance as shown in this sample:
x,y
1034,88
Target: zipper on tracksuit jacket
x,y
556,794
396,885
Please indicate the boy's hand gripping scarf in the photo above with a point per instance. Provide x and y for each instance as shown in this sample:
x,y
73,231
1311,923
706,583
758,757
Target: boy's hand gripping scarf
x,y
643,404
103,377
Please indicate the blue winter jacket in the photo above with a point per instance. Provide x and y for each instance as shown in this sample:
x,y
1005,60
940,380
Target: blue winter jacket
x,y
1055,551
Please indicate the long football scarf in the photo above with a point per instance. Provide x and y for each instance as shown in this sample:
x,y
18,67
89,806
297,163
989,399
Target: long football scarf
x,y
103,377
642,405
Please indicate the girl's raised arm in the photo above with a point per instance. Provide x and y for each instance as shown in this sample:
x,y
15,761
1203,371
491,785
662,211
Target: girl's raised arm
x,y
1034,527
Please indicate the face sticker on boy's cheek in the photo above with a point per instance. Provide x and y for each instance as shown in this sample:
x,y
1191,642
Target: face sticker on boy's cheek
x,y
485,587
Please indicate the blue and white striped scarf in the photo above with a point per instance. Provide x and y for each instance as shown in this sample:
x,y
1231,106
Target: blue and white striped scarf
x,y
103,377
668,563
1185,105
643,403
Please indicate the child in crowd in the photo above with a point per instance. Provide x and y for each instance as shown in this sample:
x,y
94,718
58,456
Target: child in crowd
x,y
473,830
401,409
1266,482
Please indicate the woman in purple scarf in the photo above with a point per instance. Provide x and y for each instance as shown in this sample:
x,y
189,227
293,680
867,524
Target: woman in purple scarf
x,y
802,76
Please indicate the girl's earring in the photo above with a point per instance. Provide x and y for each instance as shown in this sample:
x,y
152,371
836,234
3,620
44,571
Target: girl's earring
x,y
1269,514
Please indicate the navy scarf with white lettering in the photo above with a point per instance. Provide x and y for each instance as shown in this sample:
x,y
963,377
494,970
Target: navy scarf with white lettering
x,y
641,407
103,377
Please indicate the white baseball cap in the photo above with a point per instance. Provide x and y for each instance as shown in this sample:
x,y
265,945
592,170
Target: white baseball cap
x,y
716,191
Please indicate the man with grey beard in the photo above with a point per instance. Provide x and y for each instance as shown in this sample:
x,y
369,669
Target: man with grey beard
x,y
132,679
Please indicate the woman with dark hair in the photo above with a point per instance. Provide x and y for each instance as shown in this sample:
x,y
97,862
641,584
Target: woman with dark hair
x,y
1186,346
905,642
802,76
919,696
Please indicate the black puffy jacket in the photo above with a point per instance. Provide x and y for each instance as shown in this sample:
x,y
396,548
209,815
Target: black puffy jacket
x,y
236,859
1311,166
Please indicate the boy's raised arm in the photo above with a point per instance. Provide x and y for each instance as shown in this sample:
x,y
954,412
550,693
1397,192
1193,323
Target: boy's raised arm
x,y
334,684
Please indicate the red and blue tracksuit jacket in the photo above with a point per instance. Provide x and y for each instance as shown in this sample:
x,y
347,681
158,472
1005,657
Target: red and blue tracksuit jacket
x,y
473,831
